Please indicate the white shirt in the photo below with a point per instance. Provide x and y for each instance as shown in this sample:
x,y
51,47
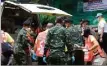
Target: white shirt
x,y
101,24
105,28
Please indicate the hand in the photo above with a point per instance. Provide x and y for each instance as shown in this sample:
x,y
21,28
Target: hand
x,y
101,39
85,50
28,34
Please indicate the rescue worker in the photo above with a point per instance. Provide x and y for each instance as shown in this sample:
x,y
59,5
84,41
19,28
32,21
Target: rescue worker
x,y
57,38
75,38
40,44
93,53
32,34
75,32
22,44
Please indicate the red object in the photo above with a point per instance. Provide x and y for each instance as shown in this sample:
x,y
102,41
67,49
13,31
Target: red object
x,y
40,44
48,52
89,42
38,30
31,39
27,50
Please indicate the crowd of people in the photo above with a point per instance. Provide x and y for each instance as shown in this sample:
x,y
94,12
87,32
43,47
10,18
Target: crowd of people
x,y
58,43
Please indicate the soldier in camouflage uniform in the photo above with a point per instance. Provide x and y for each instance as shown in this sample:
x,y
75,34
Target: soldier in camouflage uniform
x,y
75,33
22,55
57,38
75,37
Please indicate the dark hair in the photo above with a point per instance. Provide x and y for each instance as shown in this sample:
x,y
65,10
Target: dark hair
x,y
87,32
81,20
59,19
85,21
68,21
27,22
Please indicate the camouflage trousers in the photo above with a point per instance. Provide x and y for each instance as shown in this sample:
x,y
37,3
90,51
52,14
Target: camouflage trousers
x,y
22,59
56,60
60,58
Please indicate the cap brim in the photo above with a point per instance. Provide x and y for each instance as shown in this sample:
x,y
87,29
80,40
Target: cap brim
x,y
97,16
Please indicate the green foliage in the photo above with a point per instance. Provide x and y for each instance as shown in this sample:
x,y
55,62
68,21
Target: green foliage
x,y
44,19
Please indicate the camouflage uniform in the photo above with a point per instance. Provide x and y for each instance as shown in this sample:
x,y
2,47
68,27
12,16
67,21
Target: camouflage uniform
x,y
76,38
75,35
22,43
57,38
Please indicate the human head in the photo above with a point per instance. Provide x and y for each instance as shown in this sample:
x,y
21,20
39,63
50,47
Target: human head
x,y
99,16
87,32
33,26
59,20
84,23
27,23
67,22
49,25
81,21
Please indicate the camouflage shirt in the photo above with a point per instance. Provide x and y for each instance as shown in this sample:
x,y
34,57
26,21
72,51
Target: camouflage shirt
x,y
75,35
57,38
21,41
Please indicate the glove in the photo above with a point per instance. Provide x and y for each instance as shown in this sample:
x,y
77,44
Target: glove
x,y
33,55
73,59
44,59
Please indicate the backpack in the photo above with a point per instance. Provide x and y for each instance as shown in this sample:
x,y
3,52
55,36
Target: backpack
x,y
6,47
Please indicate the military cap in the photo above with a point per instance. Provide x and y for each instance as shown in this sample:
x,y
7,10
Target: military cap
x,y
27,22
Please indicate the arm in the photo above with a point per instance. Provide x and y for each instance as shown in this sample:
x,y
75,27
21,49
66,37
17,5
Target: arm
x,y
68,41
36,42
102,31
35,47
25,41
47,40
94,42
101,34
47,43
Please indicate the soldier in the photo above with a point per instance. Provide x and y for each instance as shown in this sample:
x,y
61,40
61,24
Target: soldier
x,y
57,38
75,38
22,46
74,31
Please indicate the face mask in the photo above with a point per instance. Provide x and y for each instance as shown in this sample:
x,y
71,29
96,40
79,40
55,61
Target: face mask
x,y
28,29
